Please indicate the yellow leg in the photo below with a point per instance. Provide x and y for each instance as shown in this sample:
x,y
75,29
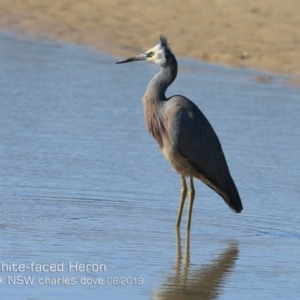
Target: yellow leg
x,y
191,196
183,196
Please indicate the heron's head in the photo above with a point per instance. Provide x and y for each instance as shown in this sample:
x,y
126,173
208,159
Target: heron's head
x,y
159,54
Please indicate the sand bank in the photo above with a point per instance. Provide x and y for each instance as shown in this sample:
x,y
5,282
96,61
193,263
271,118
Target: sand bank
x,y
256,34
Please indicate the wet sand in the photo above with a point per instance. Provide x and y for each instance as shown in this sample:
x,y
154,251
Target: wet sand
x,y
255,34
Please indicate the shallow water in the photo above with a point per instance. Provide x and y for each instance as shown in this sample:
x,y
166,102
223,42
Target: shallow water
x,y
82,181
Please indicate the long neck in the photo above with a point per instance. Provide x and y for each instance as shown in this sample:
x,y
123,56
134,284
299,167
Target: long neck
x,y
161,81
153,98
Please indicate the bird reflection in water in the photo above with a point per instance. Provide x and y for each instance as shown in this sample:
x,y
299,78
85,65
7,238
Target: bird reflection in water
x,y
203,283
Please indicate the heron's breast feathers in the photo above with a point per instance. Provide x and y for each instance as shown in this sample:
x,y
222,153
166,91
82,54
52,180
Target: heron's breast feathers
x,y
155,122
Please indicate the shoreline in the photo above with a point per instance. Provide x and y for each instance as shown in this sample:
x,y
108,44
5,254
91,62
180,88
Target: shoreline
x,y
258,36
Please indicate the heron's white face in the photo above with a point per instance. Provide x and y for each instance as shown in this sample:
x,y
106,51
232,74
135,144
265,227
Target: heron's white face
x,y
157,55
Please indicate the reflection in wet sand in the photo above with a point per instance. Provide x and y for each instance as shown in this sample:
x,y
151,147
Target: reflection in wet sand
x,y
202,283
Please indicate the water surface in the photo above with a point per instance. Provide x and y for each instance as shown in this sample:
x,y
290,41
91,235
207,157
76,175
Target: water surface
x,y
82,181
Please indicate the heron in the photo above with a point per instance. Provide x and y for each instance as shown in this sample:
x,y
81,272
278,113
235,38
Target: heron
x,y
183,133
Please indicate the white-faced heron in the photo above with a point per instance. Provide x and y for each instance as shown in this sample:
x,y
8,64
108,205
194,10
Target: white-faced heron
x,y
183,133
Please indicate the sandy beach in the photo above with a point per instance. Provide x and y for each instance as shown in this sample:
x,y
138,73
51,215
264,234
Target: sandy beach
x,y
255,34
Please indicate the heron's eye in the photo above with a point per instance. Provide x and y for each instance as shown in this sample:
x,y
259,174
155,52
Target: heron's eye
x,y
150,54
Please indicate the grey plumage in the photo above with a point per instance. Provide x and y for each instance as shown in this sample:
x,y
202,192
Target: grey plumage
x,y
183,133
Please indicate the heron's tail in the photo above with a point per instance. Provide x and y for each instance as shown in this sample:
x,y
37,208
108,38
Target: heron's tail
x,y
232,197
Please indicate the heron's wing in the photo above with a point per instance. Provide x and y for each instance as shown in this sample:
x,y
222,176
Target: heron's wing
x,y
194,138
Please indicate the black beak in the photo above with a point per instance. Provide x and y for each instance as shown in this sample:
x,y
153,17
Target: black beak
x,y
134,58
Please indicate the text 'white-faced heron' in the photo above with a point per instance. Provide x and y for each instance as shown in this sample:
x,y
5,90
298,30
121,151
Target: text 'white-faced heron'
x,y
183,133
